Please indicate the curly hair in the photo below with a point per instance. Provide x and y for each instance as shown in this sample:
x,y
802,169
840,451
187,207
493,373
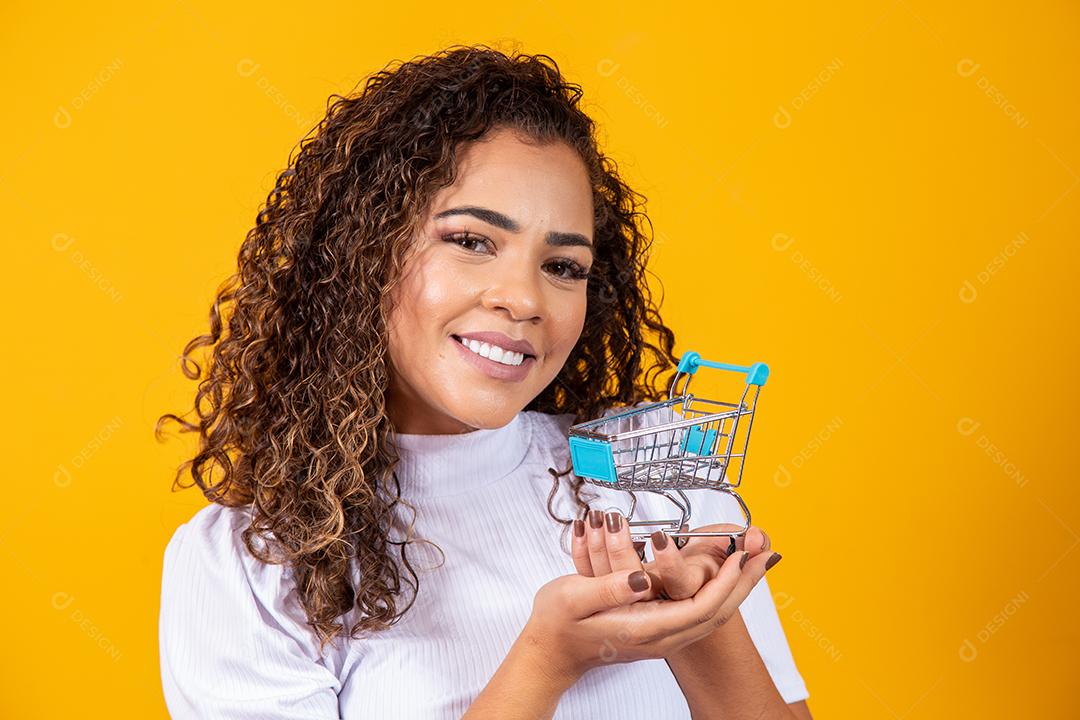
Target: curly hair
x,y
291,409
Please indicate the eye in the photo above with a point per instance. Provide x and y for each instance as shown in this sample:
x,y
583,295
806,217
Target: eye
x,y
467,240
567,269
561,268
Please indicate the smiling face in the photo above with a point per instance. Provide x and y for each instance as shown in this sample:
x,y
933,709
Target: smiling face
x,y
492,295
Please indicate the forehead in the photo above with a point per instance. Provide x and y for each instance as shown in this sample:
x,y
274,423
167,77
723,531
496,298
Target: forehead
x,y
545,184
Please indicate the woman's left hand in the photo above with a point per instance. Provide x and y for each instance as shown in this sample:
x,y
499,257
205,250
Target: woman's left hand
x,y
604,546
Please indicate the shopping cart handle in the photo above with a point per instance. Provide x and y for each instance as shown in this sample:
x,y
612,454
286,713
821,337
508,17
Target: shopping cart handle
x,y
756,374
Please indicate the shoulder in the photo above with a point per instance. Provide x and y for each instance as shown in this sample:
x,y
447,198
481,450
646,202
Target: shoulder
x,y
550,431
552,427
209,576
548,428
229,620
209,532
547,442
210,547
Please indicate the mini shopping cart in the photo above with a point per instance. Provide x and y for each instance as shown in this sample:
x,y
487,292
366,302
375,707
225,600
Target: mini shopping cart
x,y
666,447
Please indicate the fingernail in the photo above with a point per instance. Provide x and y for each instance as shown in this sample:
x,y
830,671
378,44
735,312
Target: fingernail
x,y
614,522
772,560
764,541
731,546
659,540
596,518
745,557
638,581
579,528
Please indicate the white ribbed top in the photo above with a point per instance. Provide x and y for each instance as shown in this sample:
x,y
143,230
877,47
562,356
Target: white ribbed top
x,y
234,641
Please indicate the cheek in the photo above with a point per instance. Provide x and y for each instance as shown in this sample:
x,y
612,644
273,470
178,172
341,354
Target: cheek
x,y
425,296
415,303
567,322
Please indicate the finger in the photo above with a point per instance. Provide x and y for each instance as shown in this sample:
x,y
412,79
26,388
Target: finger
x,y
722,543
681,542
579,549
710,607
710,566
680,578
716,547
597,594
683,621
620,548
754,541
597,544
751,575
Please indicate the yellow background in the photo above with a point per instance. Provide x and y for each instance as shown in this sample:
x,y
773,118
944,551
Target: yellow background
x,y
879,200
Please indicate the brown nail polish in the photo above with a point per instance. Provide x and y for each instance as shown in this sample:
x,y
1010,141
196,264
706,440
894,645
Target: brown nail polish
x,y
659,539
745,557
596,518
614,522
638,581
579,528
772,560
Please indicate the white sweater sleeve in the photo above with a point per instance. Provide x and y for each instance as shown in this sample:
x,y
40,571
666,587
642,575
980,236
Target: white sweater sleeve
x,y
758,609
231,645
763,624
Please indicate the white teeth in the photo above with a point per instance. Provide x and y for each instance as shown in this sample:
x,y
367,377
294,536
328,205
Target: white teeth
x,y
494,352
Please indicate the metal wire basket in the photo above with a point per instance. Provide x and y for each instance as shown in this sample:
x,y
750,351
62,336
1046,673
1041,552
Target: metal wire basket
x,y
666,447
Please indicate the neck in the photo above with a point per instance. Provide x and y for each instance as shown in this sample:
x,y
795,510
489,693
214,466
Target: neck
x,y
437,464
409,416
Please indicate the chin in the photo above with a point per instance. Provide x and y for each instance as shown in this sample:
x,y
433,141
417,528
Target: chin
x,y
489,418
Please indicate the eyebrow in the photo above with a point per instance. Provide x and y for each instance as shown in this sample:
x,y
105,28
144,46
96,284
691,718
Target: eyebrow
x,y
504,222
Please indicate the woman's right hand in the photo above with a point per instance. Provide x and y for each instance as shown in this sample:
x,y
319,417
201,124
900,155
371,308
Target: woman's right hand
x,y
583,622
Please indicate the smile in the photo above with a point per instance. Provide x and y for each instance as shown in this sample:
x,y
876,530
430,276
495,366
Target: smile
x,y
493,352
494,361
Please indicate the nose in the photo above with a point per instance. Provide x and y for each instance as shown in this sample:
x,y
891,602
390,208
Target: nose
x,y
515,289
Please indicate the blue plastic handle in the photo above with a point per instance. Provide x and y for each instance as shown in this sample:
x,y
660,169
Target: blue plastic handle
x,y
756,374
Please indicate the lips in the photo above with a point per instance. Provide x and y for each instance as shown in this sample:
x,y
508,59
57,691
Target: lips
x,y
493,369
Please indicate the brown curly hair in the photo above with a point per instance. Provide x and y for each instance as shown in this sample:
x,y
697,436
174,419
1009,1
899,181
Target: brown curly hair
x,y
292,408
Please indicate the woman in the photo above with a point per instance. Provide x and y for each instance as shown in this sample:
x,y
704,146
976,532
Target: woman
x,y
446,277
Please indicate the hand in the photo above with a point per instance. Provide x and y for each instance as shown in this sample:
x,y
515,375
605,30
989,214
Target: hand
x,y
582,622
676,573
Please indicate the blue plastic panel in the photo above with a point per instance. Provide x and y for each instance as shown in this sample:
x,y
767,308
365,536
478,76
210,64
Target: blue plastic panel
x,y
592,459
697,441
